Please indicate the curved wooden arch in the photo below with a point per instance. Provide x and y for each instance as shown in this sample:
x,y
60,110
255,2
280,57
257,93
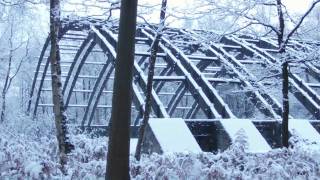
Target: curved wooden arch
x,y
177,63
108,36
62,32
76,63
77,68
195,89
91,41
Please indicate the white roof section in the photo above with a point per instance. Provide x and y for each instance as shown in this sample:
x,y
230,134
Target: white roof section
x,y
174,135
133,145
304,129
257,143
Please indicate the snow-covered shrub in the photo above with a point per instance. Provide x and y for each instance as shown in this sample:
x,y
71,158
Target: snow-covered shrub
x,y
28,154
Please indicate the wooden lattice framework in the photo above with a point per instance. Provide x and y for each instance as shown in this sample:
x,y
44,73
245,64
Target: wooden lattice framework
x,y
197,76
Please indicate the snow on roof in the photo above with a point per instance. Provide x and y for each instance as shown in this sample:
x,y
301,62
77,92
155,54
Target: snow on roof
x,y
174,135
257,143
133,145
304,130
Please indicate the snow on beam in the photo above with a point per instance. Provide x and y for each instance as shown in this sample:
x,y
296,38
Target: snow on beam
x,y
304,130
250,62
204,58
222,80
169,78
257,143
316,85
148,54
74,38
230,46
173,135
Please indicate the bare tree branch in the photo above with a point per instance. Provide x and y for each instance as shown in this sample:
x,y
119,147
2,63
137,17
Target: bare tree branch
x,y
300,22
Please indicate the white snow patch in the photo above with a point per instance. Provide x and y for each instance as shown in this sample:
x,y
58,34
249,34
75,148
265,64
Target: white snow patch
x,y
33,169
256,142
133,145
173,135
304,130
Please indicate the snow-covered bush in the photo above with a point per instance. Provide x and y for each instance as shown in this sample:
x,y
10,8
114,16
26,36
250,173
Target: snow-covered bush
x,y
32,154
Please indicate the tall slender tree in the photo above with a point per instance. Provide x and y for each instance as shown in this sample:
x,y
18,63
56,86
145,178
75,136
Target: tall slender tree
x,y
282,43
58,106
152,61
119,137
11,72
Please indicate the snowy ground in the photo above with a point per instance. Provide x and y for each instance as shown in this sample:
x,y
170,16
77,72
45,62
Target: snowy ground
x,y
28,150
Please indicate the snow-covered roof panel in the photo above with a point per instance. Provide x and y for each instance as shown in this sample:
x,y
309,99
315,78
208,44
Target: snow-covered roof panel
x,y
173,135
256,142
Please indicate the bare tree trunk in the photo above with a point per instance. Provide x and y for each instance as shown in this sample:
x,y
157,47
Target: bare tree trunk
x,y
8,80
4,92
57,98
285,78
148,100
119,136
285,111
153,57
280,33
3,107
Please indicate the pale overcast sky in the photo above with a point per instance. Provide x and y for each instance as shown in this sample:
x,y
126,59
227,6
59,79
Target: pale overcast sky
x,y
292,5
297,5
